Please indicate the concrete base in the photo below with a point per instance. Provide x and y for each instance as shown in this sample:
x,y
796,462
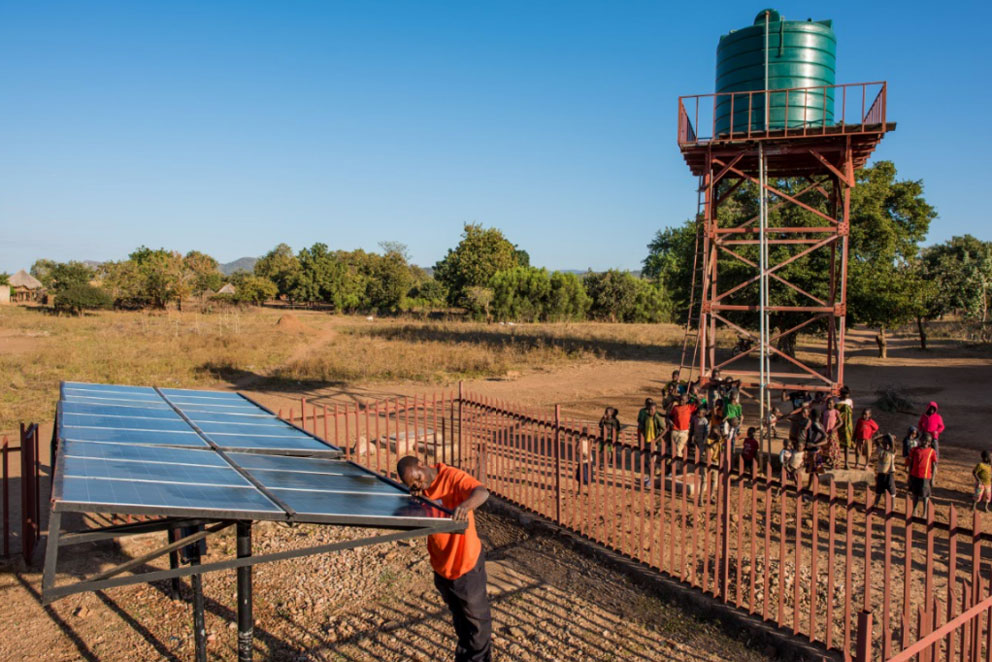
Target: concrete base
x,y
857,476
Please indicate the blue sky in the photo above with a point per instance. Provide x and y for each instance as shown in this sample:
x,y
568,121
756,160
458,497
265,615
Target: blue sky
x,y
231,126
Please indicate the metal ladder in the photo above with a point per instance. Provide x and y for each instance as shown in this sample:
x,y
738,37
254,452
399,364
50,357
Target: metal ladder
x,y
695,307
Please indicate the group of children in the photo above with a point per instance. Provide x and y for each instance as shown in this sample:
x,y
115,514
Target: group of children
x,y
823,432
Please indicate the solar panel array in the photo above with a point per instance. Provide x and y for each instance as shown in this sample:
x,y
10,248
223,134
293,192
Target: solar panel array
x,y
141,450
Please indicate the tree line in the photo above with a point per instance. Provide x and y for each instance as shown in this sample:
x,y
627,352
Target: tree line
x,y
892,278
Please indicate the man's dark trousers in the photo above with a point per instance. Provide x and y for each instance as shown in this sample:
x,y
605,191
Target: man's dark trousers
x,y
466,598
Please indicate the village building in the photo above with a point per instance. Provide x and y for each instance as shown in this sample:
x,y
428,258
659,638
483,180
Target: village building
x,y
25,288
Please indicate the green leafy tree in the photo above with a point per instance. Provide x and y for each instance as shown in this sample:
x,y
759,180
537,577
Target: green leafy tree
x,y
125,282
162,273
4,278
428,293
520,293
479,255
389,280
568,299
280,266
477,301
960,269
889,218
202,273
63,275
885,295
254,290
42,270
77,297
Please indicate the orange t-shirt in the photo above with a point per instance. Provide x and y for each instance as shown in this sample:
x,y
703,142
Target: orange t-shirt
x,y
681,415
453,554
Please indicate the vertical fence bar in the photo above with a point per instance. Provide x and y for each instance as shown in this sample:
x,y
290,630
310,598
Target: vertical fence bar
x,y
848,562
6,497
780,620
814,578
752,603
928,579
798,563
557,456
831,541
766,592
326,438
740,526
887,580
907,577
699,472
952,572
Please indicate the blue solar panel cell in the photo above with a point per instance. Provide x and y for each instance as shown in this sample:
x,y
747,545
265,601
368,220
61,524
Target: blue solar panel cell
x,y
332,483
175,424
372,506
141,411
136,453
189,474
118,401
300,443
262,427
252,461
96,492
217,406
132,437
193,394
109,388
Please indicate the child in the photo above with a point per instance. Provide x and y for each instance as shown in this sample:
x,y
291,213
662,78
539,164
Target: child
x,y
885,479
749,450
864,433
609,431
921,463
983,481
830,420
910,441
845,429
771,421
700,429
733,412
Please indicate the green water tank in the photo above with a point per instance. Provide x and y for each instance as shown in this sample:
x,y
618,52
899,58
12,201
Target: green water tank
x,y
800,54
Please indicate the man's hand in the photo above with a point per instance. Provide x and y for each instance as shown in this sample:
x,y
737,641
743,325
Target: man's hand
x,y
461,514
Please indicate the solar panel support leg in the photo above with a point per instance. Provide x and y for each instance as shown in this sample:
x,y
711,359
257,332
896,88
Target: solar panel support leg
x,y
173,562
245,618
199,625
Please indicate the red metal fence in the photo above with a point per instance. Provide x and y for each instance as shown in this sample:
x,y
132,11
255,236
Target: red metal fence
x,y
30,492
863,578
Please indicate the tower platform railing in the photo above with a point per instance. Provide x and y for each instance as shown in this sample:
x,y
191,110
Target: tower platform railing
x,y
826,110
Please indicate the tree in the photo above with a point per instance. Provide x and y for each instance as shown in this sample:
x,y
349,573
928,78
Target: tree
x,y
620,296
885,296
77,297
280,266
479,255
161,272
42,269
4,278
389,279
568,299
63,275
253,290
477,301
202,273
520,293
125,283
960,269
889,218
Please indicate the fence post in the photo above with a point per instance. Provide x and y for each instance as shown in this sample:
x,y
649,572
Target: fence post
x,y
460,446
557,455
725,525
863,651
6,499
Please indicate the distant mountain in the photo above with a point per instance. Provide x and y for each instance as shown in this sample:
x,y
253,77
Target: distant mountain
x,y
241,264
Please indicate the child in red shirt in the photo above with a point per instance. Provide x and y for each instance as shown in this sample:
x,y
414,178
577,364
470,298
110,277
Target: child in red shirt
x,y
865,431
749,450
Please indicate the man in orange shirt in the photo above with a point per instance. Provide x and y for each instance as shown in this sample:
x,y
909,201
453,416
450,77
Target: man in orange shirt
x,y
457,558
680,417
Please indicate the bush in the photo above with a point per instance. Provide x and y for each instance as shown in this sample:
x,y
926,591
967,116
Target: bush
x,y
81,296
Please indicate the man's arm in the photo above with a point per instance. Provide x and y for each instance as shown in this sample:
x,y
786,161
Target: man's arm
x,y
475,499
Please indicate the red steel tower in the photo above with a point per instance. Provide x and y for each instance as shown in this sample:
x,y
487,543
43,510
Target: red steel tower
x,y
823,156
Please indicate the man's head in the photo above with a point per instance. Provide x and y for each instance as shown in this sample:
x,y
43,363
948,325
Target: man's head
x,y
684,399
751,432
715,374
414,475
675,375
649,405
927,440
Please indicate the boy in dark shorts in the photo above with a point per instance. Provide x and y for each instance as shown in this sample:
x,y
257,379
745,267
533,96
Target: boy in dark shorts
x,y
885,477
921,463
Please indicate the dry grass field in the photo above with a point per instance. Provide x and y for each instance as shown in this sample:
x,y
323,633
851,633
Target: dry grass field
x,y
280,350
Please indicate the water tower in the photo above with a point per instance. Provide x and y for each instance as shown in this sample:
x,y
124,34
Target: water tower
x,y
779,124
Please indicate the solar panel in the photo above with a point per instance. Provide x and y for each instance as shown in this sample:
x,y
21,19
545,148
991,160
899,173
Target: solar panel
x,y
178,417
211,454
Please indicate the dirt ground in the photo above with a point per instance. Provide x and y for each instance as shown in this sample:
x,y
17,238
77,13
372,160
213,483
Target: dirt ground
x,y
370,604
379,604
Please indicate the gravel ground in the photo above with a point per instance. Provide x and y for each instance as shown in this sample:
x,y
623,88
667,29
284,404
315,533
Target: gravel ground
x,y
370,604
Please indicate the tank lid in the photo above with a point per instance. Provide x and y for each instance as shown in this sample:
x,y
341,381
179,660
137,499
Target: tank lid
x,y
773,16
